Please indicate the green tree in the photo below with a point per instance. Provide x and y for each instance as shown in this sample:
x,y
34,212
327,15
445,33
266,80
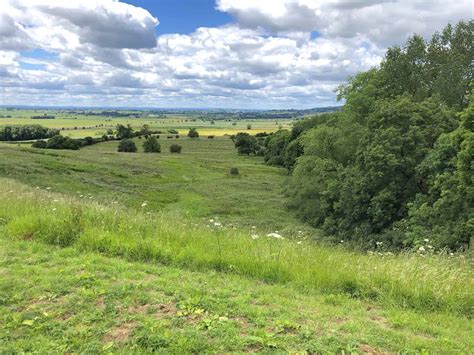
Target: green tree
x,y
193,133
124,132
127,146
245,143
151,145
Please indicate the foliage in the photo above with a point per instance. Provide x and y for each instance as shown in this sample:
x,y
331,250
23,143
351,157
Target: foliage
x,y
39,144
124,132
234,171
175,148
151,145
193,133
245,143
61,142
26,132
390,166
127,145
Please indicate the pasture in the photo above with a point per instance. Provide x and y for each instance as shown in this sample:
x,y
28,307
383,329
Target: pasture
x,y
96,125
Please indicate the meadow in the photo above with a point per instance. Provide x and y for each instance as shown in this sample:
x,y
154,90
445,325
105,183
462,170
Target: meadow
x,y
96,125
168,252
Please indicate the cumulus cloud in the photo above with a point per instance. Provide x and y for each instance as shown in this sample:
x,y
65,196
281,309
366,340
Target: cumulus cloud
x,y
105,52
385,22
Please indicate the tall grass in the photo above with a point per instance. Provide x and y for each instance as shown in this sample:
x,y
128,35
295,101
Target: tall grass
x,y
436,282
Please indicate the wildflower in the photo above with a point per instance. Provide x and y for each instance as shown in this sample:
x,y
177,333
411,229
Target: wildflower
x,y
299,242
341,241
255,236
430,247
253,227
54,209
37,187
211,220
144,204
379,243
48,188
426,240
55,200
275,235
218,224
422,248
452,254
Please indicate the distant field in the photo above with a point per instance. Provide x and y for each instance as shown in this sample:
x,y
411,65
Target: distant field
x,y
96,125
195,183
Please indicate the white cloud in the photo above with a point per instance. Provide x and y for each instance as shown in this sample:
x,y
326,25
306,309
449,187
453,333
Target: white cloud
x,y
103,52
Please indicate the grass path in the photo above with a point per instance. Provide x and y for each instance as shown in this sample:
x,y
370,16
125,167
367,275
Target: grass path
x,y
63,300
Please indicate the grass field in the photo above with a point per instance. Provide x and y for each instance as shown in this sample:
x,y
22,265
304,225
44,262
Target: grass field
x,y
119,252
96,125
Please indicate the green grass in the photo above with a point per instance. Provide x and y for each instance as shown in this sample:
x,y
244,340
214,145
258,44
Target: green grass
x,y
131,252
195,183
436,283
66,301
97,125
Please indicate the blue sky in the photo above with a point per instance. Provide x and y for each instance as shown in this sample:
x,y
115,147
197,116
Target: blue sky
x,y
201,53
183,16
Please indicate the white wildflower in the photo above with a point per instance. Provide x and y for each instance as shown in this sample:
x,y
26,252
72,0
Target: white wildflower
x,y
55,200
218,224
426,240
255,236
54,209
144,204
342,241
422,248
253,227
275,235
211,220
48,188
299,242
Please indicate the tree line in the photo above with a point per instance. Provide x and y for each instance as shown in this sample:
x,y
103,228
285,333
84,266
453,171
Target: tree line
x,y
395,165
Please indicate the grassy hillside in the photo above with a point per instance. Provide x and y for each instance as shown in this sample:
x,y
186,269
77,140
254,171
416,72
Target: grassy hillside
x,y
195,183
113,251
63,300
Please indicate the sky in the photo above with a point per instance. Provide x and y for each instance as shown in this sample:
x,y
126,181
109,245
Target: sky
x,y
242,54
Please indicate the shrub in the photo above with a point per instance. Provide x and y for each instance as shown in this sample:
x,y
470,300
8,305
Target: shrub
x,y
175,148
234,171
177,136
210,137
151,145
249,126
39,144
127,145
60,142
193,133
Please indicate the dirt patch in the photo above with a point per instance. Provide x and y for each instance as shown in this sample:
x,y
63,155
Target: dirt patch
x,y
367,349
159,311
339,320
121,333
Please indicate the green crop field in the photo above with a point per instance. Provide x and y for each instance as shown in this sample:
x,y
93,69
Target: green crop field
x,y
95,124
136,252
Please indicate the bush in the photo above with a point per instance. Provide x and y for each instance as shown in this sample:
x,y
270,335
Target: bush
x,y
234,171
39,144
127,146
151,145
210,137
175,148
60,142
249,126
193,133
